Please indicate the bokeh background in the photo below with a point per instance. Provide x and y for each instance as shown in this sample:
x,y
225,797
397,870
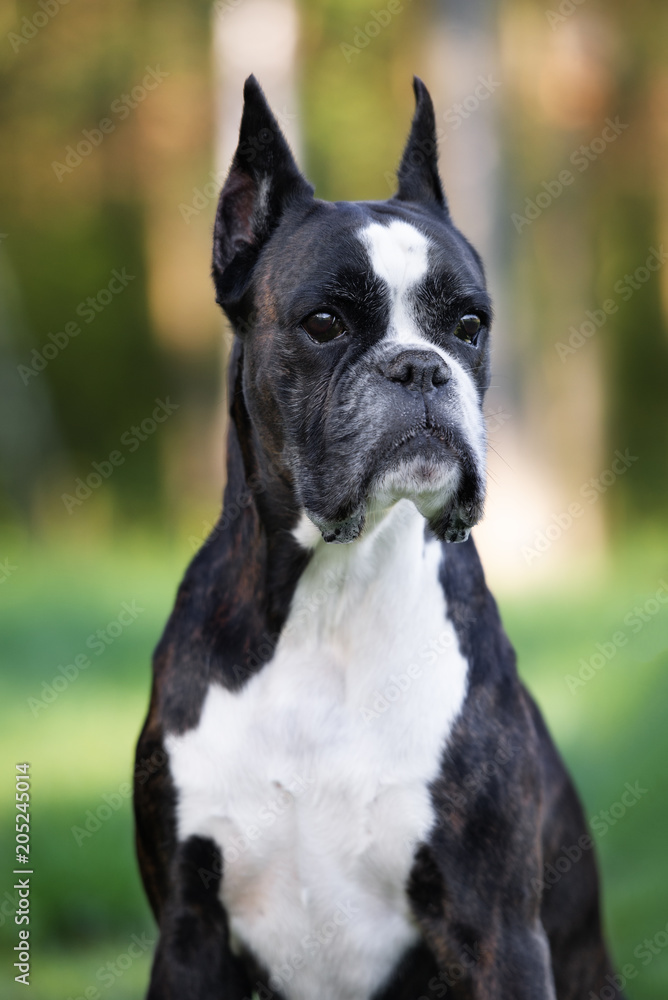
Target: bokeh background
x,y
118,120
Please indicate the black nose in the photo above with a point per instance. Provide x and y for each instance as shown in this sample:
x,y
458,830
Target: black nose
x,y
420,371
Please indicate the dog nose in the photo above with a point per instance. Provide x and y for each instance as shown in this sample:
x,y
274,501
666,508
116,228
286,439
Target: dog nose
x,y
420,371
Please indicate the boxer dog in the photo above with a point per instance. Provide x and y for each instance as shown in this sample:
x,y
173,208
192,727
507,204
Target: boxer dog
x,y
359,800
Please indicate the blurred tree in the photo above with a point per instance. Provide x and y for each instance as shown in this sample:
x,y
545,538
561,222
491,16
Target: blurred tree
x,y
358,101
574,70
119,204
87,97
630,218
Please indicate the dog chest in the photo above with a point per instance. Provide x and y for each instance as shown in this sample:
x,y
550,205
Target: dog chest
x,y
313,779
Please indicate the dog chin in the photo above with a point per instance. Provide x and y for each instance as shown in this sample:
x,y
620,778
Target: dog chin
x,y
432,486
429,483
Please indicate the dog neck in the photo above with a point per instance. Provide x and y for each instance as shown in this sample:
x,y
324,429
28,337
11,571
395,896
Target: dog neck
x,y
373,583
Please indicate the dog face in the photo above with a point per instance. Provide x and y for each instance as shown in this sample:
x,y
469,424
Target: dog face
x,y
365,329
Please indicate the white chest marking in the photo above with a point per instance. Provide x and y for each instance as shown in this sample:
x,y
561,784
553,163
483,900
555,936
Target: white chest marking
x,y
313,779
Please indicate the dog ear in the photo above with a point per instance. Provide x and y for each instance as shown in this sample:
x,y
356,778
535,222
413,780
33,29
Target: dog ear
x,y
419,180
263,179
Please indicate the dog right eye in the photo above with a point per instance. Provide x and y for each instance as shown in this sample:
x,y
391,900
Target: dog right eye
x,y
323,327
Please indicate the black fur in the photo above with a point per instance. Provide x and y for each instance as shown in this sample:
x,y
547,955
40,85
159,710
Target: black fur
x,y
418,175
299,415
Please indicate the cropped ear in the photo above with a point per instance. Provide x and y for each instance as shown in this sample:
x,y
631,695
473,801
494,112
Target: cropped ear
x,y
418,171
263,179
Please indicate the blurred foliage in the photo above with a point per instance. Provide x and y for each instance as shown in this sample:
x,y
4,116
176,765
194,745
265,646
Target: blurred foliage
x,y
77,203
563,75
358,102
60,241
571,70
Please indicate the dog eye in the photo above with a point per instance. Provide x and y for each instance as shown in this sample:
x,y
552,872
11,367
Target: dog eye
x,y
468,328
323,327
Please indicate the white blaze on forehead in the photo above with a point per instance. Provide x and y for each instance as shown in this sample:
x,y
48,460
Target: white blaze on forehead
x,y
398,254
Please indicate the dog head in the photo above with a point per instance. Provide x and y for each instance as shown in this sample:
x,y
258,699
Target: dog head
x,y
364,329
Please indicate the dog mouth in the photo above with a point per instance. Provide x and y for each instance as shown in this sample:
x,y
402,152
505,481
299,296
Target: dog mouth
x,y
428,448
428,463
433,465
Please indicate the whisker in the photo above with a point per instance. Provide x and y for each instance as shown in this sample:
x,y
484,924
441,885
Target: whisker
x,y
500,456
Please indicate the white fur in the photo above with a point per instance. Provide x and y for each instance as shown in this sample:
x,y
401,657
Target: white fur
x,y
305,532
399,255
429,484
313,779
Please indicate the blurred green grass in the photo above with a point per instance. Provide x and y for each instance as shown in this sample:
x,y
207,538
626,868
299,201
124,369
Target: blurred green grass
x,y
87,901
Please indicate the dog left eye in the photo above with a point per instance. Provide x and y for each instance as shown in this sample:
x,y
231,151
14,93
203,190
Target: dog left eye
x,y
468,328
323,327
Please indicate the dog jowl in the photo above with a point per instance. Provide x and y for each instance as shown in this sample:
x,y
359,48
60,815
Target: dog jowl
x,y
296,843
